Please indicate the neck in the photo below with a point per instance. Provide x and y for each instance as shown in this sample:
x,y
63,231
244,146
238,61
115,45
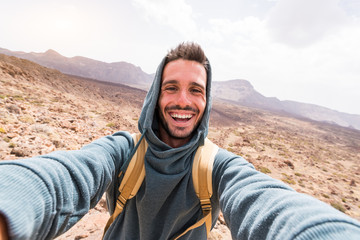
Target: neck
x,y
171,141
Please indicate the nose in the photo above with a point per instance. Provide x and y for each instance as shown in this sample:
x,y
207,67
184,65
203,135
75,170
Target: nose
x,y
183,98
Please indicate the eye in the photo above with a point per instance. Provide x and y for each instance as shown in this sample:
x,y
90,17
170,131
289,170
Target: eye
x,y
170,88
196,90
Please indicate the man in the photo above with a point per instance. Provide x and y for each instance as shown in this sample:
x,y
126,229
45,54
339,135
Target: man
x,y
42,197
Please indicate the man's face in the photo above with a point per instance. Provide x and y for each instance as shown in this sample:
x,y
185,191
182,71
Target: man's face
x,y
182,100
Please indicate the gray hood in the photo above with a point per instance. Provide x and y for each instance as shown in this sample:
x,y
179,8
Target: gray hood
x,y
148,122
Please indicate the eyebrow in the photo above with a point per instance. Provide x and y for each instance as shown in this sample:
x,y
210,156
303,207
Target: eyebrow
x,y
170,82
176,82
198,85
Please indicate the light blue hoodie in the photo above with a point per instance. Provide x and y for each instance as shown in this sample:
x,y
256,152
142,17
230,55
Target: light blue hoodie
x,y
44,196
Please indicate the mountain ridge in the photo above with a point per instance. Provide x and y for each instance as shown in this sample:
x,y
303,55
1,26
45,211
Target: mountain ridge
x,y
116,72
227,90
236,91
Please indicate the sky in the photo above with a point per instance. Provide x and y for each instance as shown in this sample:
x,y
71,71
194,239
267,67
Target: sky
x,y
301,50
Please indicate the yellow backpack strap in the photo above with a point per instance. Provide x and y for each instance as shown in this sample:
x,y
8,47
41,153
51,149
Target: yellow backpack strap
x,y
202,180
132,180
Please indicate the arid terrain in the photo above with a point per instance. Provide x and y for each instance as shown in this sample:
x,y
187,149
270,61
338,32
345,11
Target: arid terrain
x,y
42,110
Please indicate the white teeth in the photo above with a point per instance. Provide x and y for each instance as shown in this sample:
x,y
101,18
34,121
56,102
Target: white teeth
x,y
181,116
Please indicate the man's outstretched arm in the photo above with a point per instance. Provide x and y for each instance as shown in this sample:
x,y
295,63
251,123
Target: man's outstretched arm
x,y
256,206
43,197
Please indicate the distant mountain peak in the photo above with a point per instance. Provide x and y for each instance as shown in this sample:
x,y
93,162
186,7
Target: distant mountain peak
x,y
239,83
51,52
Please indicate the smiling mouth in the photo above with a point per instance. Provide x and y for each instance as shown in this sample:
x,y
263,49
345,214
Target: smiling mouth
x,y
181,117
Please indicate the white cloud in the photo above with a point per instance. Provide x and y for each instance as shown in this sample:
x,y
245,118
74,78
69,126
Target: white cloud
x,y
237,46
174,13
304,22
352,7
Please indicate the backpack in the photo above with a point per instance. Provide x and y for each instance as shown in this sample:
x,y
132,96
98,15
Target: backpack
x,y
201,175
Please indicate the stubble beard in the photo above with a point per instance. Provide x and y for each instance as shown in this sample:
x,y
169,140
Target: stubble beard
x,y
173,133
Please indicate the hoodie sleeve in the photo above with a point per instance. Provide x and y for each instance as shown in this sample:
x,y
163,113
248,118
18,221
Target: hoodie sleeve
x,y
44,196
256,206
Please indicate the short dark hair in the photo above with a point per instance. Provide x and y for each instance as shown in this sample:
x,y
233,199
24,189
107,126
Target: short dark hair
x,y
187,51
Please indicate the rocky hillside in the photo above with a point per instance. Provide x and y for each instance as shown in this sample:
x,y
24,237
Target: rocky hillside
x,y
42,110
